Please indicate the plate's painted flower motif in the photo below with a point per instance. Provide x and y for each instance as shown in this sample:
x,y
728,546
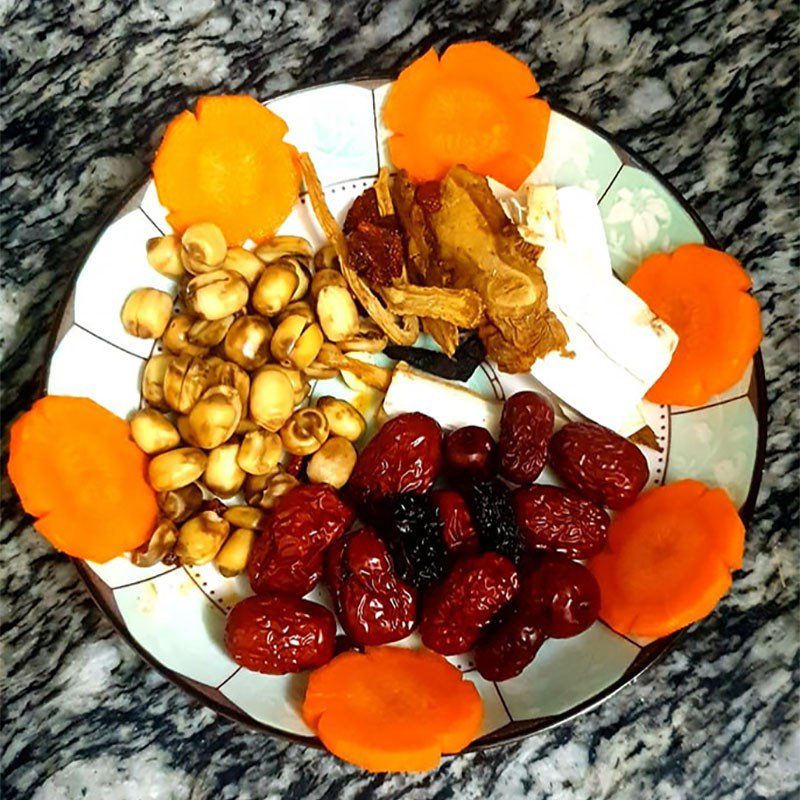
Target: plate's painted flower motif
x,y
644,211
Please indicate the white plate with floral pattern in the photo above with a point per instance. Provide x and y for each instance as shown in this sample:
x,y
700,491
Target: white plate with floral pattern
x,y
174,616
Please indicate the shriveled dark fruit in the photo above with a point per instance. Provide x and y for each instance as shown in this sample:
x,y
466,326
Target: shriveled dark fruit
x,y
560,521
404,456
287,557
374,606
295,465
599,463
416,539
456,612
470,453
277,634
490,503
526,426
508,648
561,596
459,532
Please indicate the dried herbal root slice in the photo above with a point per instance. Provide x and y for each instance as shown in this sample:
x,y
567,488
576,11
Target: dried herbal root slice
x,y
392,709
669,558
75,467
461,307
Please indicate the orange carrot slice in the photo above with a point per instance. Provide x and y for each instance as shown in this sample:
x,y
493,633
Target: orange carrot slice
x,y
473,107
392,709
227,163
75,467
702,294
669,558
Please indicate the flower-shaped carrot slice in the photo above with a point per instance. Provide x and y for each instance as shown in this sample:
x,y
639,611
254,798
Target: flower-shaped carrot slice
x,y
473,106
669,558
75,467
702,294
392,709
227,163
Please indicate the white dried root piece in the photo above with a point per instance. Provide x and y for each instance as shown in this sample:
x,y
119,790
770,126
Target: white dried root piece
x,y
461,307
405,333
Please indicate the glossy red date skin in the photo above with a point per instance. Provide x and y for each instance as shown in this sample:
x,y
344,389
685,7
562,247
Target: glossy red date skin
x,y
459,532
560,521
374,606
460,608
287,557
561,596
599,463
404,456
470,453
507,649
277,634
525,429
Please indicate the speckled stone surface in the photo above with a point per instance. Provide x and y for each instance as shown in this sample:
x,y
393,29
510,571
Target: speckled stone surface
x,y
706,91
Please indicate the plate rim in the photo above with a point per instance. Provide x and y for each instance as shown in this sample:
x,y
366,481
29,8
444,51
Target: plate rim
x,y
514,731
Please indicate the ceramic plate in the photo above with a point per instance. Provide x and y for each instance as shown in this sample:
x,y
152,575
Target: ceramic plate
x,y
174,616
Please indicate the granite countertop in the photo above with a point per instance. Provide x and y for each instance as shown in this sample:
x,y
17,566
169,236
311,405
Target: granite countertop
x,y
705,91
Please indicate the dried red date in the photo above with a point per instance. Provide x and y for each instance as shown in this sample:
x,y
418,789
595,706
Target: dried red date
x,y
374,606
287,557
459,609
599,463
469,454
560,521
459,533
561,596
508,648
404,456
277,634
525,429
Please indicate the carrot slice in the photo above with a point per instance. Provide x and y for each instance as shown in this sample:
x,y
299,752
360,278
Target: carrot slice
x,y
75,467
392,709
669,558
702,294
227,163
472,107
